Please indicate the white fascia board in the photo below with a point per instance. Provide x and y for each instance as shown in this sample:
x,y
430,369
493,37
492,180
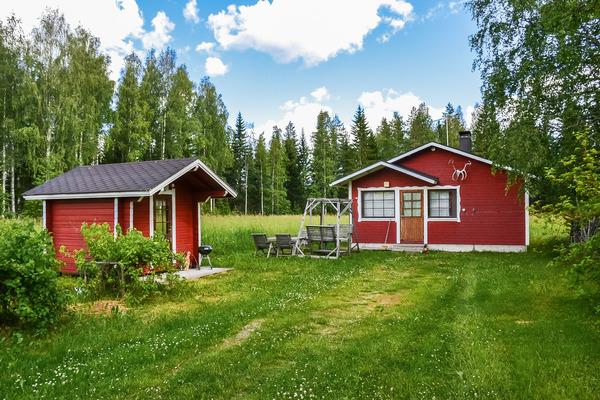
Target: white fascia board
x,y
187,169
443,147
411,173
154,190
377,166
68,196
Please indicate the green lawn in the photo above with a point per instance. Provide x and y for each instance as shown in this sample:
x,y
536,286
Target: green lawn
x,y
373,325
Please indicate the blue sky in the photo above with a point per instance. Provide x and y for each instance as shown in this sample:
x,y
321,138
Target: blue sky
x,y
288,59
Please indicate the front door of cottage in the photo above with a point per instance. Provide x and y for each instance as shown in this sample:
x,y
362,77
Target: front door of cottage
x,y
411,216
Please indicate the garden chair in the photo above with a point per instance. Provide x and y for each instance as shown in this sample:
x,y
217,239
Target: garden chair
x,y
262,244
284,242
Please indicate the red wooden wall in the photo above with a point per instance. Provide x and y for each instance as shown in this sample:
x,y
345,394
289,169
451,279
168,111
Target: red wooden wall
x,y
491,216
64,220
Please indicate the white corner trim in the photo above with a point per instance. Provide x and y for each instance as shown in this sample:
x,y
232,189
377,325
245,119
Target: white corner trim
x,y
151,215
173,221
526,218
131,214
199,206
425,216
116,216
350,190
397,212
44,216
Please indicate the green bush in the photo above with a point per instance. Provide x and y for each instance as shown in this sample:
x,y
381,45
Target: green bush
x,y
583,261
30,294
114,267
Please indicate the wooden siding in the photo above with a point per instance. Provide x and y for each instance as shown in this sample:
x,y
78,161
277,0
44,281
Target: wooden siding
x,y
489,215
141,216
185,213
65,218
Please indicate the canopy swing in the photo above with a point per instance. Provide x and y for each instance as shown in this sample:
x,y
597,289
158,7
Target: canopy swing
x,y
326,240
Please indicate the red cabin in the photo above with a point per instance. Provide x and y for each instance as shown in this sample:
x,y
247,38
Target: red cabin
x,y
155,197
439,196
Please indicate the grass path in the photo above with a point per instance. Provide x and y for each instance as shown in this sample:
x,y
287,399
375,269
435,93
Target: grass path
x,y
374,325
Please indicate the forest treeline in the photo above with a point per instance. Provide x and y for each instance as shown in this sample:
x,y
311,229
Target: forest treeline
x,y
60,109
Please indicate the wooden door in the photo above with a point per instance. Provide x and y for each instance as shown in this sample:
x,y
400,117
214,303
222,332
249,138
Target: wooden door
x,y
411,216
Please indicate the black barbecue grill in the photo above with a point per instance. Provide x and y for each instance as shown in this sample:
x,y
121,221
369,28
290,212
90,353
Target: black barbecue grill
x,y
204,251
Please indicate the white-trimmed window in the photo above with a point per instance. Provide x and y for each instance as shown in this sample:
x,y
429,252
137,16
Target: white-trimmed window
x,y
442,203
378,204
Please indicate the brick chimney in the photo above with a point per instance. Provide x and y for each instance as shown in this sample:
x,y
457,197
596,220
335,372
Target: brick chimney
x,y
464,141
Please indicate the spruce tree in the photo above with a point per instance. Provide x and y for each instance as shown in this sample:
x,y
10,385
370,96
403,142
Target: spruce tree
x,y
278,202
398,128
420,129
323,158
294,185
364,140
150,96
237,175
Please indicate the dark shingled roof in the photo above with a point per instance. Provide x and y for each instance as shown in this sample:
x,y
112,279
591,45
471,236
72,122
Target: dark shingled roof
x,y
112,178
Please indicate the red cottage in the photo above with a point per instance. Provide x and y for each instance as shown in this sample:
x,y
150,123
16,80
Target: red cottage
x,y
439,196
155,197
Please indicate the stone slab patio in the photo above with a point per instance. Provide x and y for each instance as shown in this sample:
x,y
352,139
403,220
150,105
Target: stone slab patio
x,y
193,274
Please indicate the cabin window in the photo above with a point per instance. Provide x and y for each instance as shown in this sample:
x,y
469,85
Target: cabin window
x,y
411,204
378,204
442,203
162,216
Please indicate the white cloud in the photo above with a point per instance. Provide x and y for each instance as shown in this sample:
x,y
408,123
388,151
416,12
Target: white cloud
x,y
320,94
118,24
379,104
190,12
456,6
215,67
311,30
161,35
468,114
302,112
205,46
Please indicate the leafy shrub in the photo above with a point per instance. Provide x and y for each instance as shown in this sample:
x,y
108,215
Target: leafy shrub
x,y
30,294
583,261
114,266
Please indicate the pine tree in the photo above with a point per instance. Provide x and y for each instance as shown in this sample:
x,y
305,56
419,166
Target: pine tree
x,y
294,185
455,121
385,140
420,129
323,158
279,204
364,141
398,128
238,173
303,168
259,172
